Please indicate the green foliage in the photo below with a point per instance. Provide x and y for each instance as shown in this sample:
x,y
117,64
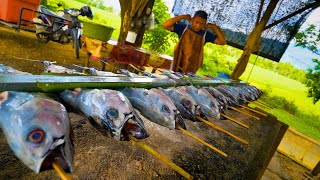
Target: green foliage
x,y
158,39
280,102
310,38
313,81
96,3
54,5
216,60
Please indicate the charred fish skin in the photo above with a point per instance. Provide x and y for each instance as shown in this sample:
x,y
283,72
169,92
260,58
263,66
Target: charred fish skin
x,y
151,106
37,129
207,103
108,110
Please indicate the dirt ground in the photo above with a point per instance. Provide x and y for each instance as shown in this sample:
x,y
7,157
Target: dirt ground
x,y
99,157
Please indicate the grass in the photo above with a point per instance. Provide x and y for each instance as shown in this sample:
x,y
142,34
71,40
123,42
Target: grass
x,y
100,16
307,118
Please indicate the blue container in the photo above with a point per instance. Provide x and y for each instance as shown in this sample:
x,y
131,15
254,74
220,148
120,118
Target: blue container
x,y
223,75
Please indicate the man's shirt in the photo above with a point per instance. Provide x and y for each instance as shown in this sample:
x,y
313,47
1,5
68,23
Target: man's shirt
x,y
179,28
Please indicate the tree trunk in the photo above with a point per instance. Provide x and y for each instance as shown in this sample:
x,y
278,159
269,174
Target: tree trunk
x,y
134,15
253,41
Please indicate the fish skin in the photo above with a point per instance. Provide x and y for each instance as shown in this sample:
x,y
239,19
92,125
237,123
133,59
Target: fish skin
x,y
25,117
128,73
7,70
155,106
206,101
95,72
231,97
100,105
51,68
219,96
186,105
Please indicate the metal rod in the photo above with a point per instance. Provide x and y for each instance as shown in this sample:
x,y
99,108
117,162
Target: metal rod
x,y
60,171
245,113
222,130
162,158
234,120
203,142
253,110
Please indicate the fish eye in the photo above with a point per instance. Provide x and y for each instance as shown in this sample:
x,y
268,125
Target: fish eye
x,y
186,103
112,113
36,136
165,109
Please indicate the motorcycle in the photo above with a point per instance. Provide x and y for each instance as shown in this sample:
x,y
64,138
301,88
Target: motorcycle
x,y
62,27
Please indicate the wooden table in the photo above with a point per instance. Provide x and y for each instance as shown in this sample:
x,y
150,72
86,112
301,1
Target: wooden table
x,y
115,53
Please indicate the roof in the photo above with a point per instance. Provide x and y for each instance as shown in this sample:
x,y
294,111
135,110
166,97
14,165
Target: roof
x,y
237,18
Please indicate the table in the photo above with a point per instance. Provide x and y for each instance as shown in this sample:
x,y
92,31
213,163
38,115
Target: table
x,y
112,51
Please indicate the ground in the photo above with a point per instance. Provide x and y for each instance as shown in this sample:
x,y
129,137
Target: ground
x,y
100,157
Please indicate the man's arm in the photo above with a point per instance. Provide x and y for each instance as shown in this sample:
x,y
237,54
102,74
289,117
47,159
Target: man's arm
x,y
169,24
221,40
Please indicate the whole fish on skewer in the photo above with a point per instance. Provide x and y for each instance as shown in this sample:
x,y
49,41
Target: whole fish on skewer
x,y
206,101
50,67
219,97
186,105
96,72
9,70
156,106
232,99
37,129
240,96
108,110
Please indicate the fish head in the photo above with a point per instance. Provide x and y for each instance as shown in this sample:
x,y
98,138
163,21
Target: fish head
x,y
167,108
113,111
38,130
189,103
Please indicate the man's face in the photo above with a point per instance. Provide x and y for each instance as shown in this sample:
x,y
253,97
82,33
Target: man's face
x,y
197,23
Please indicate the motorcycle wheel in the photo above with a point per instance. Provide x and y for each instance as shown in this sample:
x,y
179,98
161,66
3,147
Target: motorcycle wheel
x,y
76,42
43,37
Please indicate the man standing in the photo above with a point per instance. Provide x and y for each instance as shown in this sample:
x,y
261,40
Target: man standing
x,y
188,53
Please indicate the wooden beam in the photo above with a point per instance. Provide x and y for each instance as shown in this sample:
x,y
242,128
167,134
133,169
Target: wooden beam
x,y
312,5
259,13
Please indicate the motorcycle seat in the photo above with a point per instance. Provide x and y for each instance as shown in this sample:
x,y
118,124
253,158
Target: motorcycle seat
x,y
49,12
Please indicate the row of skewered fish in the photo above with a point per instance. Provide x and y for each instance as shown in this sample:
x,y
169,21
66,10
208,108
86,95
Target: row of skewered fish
x,y
37,126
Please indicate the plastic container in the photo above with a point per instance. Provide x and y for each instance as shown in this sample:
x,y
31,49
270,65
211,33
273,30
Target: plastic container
x,y
10,10
223,75
97,31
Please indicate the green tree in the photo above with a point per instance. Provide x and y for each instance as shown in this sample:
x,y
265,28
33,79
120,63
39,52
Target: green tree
x,y
313,81
310,38
158,39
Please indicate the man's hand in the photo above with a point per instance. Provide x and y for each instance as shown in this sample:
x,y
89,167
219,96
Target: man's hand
x,y
221,40
211,26
168,25
186,17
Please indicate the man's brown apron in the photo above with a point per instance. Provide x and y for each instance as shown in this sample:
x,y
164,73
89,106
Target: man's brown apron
x,y
188,53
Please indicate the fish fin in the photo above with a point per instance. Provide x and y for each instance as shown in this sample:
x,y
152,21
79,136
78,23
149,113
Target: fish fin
x,y
3,96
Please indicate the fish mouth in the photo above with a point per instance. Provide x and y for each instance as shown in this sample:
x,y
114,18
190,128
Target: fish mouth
x,y
62,154
179,122
133,128
199,112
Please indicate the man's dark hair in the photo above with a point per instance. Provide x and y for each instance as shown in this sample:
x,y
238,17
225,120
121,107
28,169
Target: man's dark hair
x,y
201,14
